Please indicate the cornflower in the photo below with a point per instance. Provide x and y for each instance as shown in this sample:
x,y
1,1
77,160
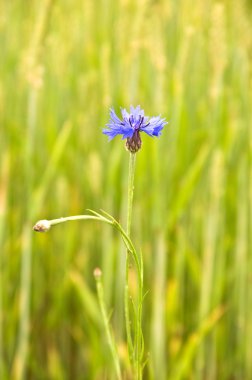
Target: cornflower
x,y
131,125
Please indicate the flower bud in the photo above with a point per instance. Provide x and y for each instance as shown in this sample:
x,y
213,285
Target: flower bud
x,y
97,273
42,226
134,143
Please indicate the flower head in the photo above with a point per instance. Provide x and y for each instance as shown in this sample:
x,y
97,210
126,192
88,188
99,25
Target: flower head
x,y
42,226
131,125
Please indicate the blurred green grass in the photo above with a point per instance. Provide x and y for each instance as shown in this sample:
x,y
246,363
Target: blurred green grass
x,y
63,65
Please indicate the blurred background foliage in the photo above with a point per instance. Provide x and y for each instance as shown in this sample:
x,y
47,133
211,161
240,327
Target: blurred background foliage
x,y
63,65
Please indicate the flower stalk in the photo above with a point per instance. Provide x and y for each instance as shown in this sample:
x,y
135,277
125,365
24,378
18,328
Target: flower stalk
x,y
137,347
132,164
111,342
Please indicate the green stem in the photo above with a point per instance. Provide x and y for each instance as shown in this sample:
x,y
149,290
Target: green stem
x,y
45,225
136,350
139,334
111,342
132,162
77,217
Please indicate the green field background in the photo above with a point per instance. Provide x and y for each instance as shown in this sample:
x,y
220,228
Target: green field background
x,y
63,65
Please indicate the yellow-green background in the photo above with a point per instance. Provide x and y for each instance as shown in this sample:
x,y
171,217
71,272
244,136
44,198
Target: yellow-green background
x,y
63,65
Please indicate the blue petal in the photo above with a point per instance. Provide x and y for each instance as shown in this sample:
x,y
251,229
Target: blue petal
x,y
115,129
125,114
128,133
157,131
159,127
116,126
136,112
111,134
135,120
154,127
154,120
114,117
148,131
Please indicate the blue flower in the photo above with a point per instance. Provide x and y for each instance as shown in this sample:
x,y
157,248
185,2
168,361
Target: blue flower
x,y
131,125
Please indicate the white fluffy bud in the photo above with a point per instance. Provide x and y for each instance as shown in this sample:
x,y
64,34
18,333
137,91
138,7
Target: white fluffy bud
x,y
42,226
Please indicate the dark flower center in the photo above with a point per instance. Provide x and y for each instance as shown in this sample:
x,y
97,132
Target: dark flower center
x,y
133,144
136,124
